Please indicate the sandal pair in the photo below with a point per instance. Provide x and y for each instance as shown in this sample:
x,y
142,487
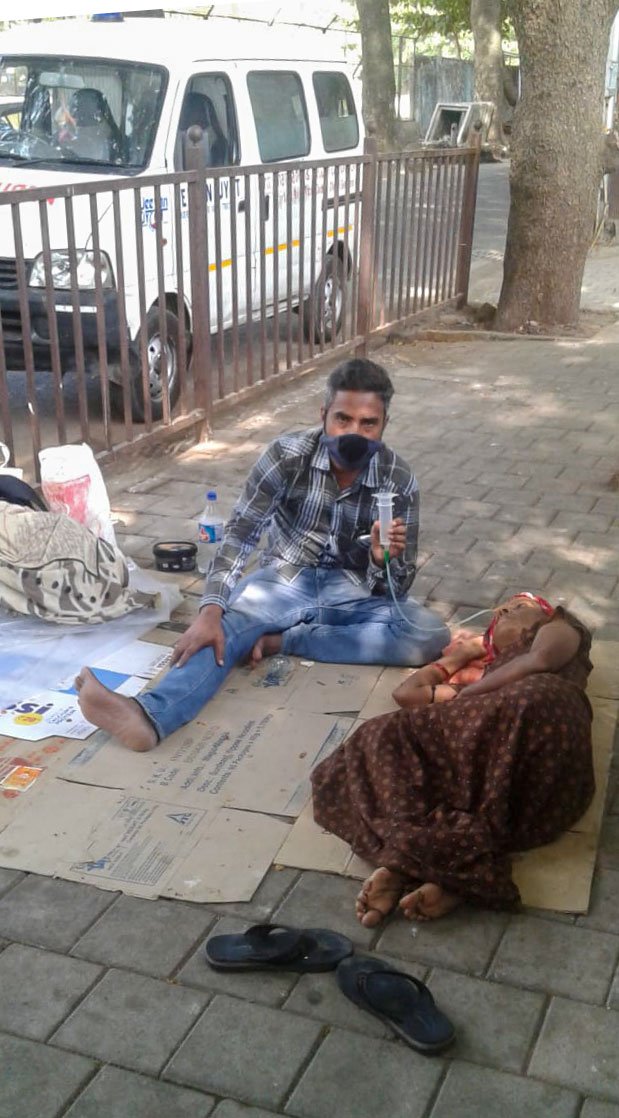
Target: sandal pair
x,y
396,998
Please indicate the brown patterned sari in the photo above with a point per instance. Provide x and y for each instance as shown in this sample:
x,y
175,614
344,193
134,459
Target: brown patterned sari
x,y
446,792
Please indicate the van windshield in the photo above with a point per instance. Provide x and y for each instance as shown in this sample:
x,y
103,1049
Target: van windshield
x,y
77,112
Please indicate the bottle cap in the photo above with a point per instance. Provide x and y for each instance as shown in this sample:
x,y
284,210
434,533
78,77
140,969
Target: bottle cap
x,y
211,495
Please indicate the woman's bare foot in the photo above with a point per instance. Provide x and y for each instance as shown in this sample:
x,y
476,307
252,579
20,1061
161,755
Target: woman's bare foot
x,y
428,902
378,897
117,714
269,645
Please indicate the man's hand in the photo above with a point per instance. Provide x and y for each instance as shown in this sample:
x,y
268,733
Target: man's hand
x,y
397,541
205,632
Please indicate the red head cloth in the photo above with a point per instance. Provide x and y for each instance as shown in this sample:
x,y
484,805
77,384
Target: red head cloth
x,y
489,634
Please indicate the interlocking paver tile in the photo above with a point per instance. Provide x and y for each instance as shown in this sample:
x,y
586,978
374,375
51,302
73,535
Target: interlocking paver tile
x,y
9,878
39,988
256,986
472,1004
544,955
50,913
465,941
613,997
123,937
603,911
319,996
250,1052
470,1092
37,1081
117,1093
228,1108
579,1047
352,1076
131,1020
324,901
593,1108
608,852
557,502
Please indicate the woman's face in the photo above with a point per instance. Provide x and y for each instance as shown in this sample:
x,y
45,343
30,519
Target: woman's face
x,y
515,618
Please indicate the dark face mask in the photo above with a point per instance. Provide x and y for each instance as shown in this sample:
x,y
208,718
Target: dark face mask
x,y
350,452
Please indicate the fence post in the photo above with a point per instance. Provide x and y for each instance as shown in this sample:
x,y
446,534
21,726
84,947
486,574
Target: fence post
x,y
198,258
467,220
365,290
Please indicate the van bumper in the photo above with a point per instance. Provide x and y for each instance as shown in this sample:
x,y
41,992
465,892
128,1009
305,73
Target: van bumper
x,y
13,328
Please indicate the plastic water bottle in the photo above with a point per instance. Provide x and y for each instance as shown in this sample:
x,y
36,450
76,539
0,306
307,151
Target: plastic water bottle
x,y
210,531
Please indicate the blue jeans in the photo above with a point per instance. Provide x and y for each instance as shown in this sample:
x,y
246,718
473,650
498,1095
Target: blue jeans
x,y
322,615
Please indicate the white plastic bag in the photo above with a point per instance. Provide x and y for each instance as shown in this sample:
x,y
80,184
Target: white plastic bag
x,y
72,483
36,655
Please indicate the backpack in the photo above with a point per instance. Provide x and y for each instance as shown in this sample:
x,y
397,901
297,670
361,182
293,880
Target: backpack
x,y
17,492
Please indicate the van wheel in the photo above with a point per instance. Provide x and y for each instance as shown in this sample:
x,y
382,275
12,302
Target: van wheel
x,y
328,303
154,357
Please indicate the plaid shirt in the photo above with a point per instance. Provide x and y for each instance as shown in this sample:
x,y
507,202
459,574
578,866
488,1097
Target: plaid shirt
x,y
292,494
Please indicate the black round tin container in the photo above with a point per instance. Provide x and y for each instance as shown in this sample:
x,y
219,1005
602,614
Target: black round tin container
x,y
175,555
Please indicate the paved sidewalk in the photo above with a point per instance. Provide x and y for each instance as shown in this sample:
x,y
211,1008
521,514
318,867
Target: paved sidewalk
x,y
108,1007
600,284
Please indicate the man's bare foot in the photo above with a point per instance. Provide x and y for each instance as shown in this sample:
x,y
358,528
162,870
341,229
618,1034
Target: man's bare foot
x,y
117,714
269,645
428,902
378,897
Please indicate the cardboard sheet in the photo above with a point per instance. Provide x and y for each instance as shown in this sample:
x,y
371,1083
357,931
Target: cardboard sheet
x,y
244,756
201,816
55,710
303,685
103,837
44,757
555,877
379,700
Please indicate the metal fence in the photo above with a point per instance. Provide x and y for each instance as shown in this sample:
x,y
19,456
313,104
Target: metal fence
x,y
131,309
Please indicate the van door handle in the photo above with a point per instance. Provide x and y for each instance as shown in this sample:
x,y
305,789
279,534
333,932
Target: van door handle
x,y
241,206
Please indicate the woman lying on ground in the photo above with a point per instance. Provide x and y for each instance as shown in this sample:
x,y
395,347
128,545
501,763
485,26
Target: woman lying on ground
x,y
440,793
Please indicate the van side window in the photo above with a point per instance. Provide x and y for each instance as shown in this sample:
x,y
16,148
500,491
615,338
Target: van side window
x,y
209,103
278,104
336,109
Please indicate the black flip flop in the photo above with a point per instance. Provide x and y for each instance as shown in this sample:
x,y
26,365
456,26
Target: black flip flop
x,y
401,1001
274,947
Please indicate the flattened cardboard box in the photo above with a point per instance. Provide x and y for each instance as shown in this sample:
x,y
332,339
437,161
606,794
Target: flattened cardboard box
x,y
103,837
302,685
245,757
195,818
45,756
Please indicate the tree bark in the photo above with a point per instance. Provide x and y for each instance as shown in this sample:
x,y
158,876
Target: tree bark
x,y
378,72
556,158
489,77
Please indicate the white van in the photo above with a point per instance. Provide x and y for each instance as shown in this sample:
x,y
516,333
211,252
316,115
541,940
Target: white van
x,y
105,100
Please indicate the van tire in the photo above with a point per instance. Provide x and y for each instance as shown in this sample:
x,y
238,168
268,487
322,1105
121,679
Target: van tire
x,y
153,351
328,292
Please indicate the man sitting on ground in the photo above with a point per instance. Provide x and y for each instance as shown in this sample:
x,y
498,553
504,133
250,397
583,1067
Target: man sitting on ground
x,y
321,591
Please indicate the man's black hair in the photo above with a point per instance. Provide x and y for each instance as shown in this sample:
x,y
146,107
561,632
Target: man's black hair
x,y
359,374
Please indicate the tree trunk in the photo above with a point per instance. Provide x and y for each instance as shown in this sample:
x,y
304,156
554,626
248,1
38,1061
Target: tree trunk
x,y
378,72
556,158
489,77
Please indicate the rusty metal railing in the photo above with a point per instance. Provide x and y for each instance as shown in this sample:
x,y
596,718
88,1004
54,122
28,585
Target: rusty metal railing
x,y
131,309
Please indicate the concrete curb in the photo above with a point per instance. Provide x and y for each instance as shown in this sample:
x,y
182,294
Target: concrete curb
x,y
478,335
